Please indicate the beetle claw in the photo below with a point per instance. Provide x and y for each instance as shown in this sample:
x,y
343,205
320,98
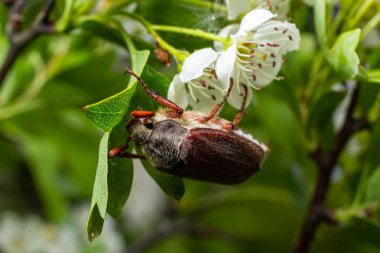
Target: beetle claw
x,y
203,120
228,127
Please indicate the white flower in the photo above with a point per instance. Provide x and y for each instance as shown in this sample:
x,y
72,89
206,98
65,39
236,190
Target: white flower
x,y
224,33
204,90
30,234
237,7
256,54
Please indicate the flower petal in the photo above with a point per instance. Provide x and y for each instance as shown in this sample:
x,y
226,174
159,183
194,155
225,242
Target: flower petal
x,y
252,21
225,65
236,97
284,35
235,8
224,33
205,100
195,64
266,71
177,92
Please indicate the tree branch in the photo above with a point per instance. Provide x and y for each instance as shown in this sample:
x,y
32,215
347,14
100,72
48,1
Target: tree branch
x,y
18,39
326,161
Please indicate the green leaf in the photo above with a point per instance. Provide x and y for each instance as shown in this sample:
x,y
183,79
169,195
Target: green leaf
x,y
373,189
374,75
94,224
97,26
362,75
368,95
344,58
100,192
321,113
157,81
107,113
120,173
320,22
43,158
4,45
44,171
372,157
120,176
171,185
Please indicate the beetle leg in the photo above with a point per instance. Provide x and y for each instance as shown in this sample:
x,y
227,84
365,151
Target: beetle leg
x,y
218,106
156,96
116,151
142,114
228,126
119,151
132,156
241,113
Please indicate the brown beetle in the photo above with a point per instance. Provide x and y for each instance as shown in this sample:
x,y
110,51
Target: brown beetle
x,y
194,145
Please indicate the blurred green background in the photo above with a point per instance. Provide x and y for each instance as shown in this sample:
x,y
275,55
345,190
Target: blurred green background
x,y
49,148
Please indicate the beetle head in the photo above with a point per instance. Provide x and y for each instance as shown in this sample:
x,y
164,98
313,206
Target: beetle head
x,y
140,129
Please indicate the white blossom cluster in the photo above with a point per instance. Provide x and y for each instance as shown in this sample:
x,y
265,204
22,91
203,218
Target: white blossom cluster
x,y
253,59
31,234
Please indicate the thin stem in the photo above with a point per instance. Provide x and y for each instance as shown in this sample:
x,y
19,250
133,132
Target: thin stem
x,y
364,211
361,186
180,55
372,24
207,4
19,40
18,108
353,9
11,57
359,14
342,15
193,32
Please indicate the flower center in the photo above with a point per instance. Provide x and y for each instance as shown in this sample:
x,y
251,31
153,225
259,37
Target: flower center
x,y
206,85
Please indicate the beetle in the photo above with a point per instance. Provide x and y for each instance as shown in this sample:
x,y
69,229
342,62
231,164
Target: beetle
x,y
192,144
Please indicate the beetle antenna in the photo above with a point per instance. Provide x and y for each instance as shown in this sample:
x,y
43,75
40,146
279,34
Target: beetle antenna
x,y
239,116
155,95
219,105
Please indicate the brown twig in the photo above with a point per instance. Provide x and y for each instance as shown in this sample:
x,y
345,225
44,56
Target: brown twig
x,y
326,161
19,39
